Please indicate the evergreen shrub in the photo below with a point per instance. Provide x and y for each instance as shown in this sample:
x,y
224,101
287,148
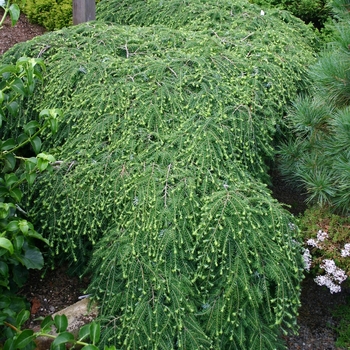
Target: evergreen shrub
x,y
51,14
161,162
240,16
317,156
310,11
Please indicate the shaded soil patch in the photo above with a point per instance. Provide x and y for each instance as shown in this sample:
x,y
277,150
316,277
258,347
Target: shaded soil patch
x,y
51,293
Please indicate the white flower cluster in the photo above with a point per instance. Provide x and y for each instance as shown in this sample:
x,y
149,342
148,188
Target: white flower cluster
x,y
321,236
346,251
307,259
333,277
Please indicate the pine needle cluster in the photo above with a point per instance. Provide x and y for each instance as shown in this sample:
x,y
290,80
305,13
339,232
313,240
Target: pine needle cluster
x,y
161,161
317,157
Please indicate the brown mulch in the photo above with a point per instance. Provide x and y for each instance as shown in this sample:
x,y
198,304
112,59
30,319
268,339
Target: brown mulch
x,y
22,31
51,291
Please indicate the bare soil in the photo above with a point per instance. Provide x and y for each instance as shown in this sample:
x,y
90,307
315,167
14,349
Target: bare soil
x,y
22,31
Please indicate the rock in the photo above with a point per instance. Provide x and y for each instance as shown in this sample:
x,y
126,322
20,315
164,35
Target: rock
x,y
78,315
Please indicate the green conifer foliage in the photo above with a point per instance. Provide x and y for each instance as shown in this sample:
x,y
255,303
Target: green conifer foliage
x,y
317,156
161,158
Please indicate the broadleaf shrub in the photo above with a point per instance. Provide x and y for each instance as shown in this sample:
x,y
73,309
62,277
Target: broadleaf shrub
x,y
161,160
19,248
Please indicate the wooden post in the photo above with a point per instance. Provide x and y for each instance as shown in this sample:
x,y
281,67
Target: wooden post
x,y
83,11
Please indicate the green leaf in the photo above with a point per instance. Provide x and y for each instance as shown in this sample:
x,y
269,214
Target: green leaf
x,y
5,209
34,234
90,347
8,144
4,269
24,338
31,178
4,282
42,164
8,68
19,87
19,274
54,125
49,157
44,160
63,338
95,332
6,244
22,317
10,179
3,317
30,164
22,138
9,344
31,127
4,302
33,258
84,332
14,13
18,243
2,97
61,323
36,144
16,194
23,226
9,162
12,226
3,191
46,324
13,108
52,115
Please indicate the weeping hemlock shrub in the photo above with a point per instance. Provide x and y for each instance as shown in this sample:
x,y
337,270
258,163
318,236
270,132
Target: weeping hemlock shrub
x,y
314,11
161,162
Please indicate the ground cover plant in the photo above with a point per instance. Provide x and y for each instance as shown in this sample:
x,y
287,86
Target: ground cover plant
x,y
159,175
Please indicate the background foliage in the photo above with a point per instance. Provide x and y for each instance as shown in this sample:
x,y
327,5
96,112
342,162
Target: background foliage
x,y
314,11
317,157
51,14
20,160
160,166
